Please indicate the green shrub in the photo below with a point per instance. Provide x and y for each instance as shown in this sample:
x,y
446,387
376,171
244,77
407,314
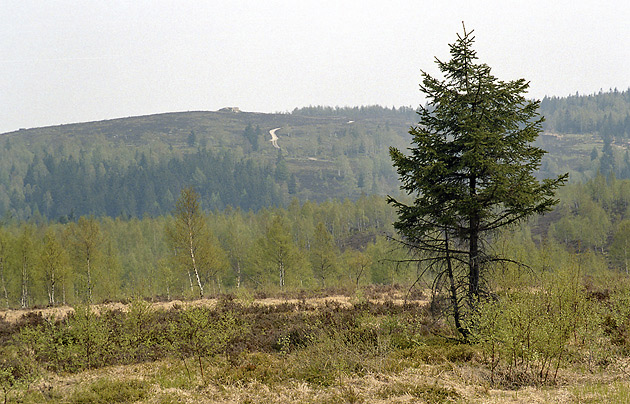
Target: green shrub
x,y
88,338
439,351
528,334
262,367
201,332
616,320
81,341
459,353
107,391
16,370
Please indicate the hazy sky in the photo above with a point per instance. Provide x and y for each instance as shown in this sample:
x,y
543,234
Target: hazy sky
x,y
83,60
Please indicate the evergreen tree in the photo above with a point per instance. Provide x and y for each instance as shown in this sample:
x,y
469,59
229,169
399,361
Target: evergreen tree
x,y
470,171
253,136
282,170
192,139
258,136
292,185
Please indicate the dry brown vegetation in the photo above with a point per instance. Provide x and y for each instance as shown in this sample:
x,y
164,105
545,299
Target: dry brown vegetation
x,y
286,349
427,383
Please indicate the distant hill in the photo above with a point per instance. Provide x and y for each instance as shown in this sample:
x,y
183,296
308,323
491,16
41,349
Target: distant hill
x,y
603,113
587,134
136,166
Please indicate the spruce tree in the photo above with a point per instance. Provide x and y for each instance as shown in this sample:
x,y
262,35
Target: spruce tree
x,y
470,173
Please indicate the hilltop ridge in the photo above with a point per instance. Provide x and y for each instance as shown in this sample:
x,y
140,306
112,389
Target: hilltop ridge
x,y
76,169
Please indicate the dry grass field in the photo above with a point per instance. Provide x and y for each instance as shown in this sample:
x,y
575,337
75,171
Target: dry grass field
x,y
317,349
165,382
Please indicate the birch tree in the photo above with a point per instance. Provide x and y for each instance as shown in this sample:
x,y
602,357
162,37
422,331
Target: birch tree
x,y
87,241
25,254
277,255
54,261
323,254
4,255
193,247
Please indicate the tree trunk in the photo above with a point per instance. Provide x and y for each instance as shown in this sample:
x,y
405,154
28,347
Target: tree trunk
x,y
473,267
473,250
4,284
199,282
453,289
192,287
24,299
359,275
51,294
194,265
89,277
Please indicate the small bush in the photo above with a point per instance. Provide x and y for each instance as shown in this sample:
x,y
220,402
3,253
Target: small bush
x,y
16,369
107,391
429,393
528,334
435,351
261,367
202,332
460,353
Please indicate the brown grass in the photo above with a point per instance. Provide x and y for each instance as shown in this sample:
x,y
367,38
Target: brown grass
x,y
463,384
413,378
14,315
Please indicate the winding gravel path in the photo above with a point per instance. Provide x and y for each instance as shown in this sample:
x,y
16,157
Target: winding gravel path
x,y
274,137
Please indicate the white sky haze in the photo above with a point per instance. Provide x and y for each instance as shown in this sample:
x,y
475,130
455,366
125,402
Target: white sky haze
x,y
65,61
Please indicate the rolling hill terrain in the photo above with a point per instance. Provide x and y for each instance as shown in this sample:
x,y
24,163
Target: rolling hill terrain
x,y
136,166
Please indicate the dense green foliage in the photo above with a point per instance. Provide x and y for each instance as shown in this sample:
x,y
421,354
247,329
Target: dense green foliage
x,y
69,187
301,246
606,113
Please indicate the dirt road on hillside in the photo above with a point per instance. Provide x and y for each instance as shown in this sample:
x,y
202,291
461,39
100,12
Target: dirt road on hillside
x,y
274,137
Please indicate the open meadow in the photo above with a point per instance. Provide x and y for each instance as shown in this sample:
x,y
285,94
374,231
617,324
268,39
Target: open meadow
x,y
371,345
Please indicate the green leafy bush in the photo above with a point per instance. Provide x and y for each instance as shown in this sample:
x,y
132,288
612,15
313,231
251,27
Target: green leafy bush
x,y
201,332
526,335
16,369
